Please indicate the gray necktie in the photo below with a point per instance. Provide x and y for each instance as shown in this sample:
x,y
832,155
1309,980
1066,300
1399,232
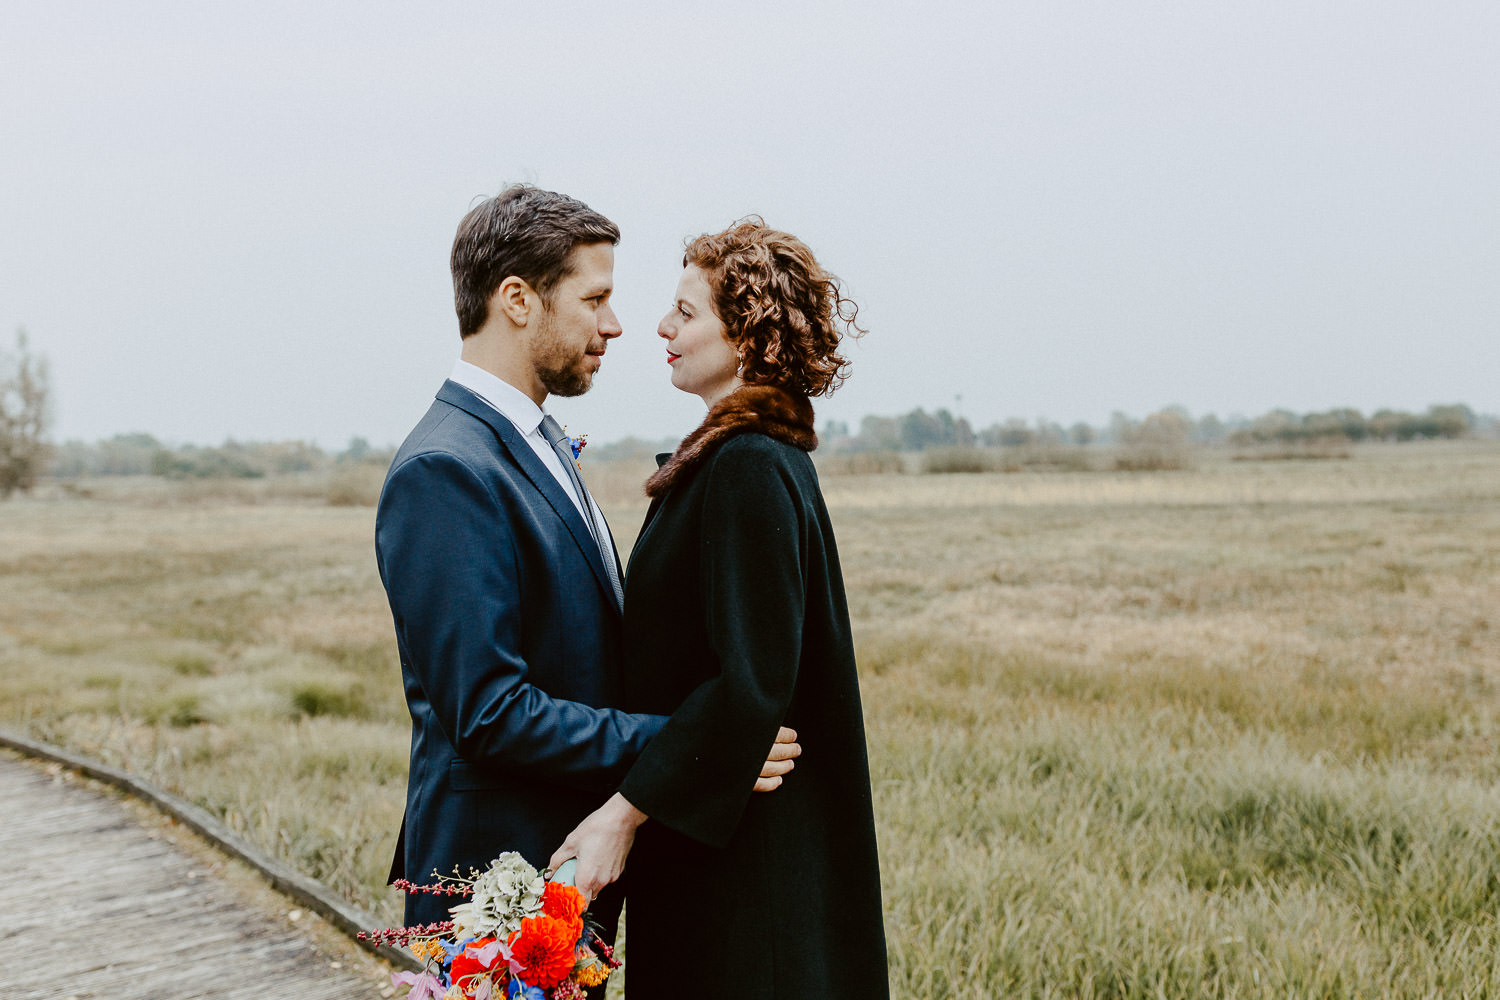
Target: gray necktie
x,y
558,438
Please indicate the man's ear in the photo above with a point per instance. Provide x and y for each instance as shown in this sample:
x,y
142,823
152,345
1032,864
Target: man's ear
x,y
516,299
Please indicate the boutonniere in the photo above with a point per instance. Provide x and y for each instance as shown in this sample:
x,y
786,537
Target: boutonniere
x,y
577,444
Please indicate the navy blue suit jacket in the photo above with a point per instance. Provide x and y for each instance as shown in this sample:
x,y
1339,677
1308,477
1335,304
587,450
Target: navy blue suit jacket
x,y
510,642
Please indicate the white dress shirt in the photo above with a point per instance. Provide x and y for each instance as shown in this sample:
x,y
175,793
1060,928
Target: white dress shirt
x,y
519,408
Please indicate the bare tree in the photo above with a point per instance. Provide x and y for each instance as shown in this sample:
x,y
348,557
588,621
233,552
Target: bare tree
x,y
24,414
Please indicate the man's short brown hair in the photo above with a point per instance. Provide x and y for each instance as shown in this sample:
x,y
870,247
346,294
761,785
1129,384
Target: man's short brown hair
x,y
522,231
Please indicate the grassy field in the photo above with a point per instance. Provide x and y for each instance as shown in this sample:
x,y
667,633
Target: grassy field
x,y
1228,732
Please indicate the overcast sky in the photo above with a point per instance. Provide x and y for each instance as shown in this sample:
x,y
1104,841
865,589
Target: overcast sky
x,y
233,219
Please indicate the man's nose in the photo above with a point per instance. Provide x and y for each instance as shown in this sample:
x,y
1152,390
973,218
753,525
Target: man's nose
x,y
609,323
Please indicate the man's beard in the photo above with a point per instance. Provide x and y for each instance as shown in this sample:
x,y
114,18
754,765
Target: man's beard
x,y
561,372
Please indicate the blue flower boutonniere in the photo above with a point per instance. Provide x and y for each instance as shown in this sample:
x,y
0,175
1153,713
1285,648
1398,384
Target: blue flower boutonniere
x,y
577,444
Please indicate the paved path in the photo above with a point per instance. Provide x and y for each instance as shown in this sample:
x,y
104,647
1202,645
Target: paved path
x,y
101,898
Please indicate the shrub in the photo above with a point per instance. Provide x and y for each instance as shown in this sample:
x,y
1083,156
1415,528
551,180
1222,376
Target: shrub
x,y
355,485
191,665
1311,448
861,463
203,463
315,699
186,712
1047,457
1161,441
958,459
182,712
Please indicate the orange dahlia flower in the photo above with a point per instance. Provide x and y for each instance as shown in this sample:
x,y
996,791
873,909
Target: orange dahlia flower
x,y
544,945
563,902
466,965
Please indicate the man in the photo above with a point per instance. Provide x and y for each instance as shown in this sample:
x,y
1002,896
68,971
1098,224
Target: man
x,y
503,579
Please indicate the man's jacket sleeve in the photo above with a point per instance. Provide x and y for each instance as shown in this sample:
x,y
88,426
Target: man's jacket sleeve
x,y
452,575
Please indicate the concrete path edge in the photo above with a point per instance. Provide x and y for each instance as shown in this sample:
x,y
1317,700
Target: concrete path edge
x,y
293,884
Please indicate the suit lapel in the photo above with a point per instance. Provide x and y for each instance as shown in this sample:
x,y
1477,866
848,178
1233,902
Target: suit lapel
x,y
531,466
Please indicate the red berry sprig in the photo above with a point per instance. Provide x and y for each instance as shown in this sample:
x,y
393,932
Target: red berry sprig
x,y
399,936
436,889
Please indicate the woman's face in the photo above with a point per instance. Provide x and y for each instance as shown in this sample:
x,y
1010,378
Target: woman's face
x,y
702,359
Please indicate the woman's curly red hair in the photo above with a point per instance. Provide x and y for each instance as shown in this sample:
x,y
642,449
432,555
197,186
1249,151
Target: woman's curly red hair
x,y
780,309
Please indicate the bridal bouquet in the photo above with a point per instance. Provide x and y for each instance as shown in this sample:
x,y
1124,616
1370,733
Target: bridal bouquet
x,y
518,936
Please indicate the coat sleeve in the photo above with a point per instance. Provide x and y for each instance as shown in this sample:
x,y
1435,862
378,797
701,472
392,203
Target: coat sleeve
x,y
458,614
697,776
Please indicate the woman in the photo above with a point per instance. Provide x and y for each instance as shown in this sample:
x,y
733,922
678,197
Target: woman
x,y
736,624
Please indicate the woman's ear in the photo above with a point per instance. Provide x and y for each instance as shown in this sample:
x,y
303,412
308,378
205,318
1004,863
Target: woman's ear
x,y
516,300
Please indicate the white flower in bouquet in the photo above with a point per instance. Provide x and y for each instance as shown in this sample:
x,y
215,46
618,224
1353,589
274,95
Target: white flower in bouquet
x,y
505,894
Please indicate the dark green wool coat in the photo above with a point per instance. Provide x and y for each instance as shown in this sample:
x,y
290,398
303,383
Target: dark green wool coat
x,y
735,624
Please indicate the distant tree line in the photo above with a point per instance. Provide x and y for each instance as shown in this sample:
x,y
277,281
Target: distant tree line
x,y
1161,440
944,442
144,455
921,431
1350,425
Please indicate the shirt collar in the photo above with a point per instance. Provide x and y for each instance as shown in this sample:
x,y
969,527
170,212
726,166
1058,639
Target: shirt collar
x,y
512,403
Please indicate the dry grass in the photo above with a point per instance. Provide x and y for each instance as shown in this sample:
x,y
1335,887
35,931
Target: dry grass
x,y
1225,732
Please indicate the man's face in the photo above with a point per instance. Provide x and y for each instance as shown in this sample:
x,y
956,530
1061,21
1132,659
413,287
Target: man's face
x,y
568,342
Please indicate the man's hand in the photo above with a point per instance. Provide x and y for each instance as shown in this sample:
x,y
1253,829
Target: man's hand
x,y
779,761
600,843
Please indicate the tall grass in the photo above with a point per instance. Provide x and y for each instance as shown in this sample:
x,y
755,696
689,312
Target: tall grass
x,y
1222,732
1047,836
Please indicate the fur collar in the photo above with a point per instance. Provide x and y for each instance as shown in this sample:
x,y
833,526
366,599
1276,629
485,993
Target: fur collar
x,y
760,409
